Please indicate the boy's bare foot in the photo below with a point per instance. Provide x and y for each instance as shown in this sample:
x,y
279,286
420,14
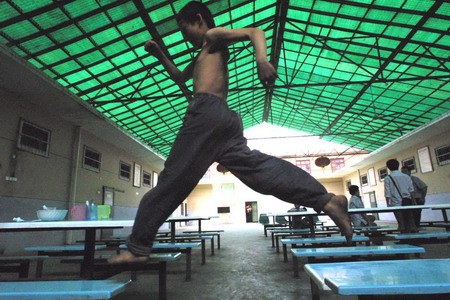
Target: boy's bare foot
x,y
126,257
337,209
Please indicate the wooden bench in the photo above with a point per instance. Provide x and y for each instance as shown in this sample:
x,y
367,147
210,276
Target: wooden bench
x,y
80,289
158,261
407,278
331,253
321,241
64,250
446,225
19,264
422,238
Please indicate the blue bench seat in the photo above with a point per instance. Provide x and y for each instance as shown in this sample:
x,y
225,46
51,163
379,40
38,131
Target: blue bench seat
x,y
422,237
381,278
47,290
19,264
332,252
316,241
185,248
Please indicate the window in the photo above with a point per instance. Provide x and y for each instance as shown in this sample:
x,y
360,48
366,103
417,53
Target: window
x,y
125,171
155,178
137,175
348,183
410,163
91,159
337,164
364,180
443,155
382,172
146,179
305,165
34,139
223,210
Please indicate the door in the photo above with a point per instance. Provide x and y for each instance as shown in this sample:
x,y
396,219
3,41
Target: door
x,y
251,212
373,201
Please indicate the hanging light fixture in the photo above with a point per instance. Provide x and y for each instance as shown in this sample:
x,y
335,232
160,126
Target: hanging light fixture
x,y
322,161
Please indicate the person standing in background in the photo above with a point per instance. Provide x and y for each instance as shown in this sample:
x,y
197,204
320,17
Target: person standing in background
x,y
419,194
398,189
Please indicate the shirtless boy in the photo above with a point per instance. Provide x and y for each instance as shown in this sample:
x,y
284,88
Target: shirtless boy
x,y
211,132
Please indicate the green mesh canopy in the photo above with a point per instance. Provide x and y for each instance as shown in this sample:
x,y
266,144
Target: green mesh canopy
x,y
360,73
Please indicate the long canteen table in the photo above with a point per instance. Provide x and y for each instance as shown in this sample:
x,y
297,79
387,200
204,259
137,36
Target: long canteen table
x,y
90,227
392,277
173,220
311,214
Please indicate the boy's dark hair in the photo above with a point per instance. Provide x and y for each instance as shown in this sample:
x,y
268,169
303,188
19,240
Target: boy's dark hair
x,y
189,14
353,189
392,164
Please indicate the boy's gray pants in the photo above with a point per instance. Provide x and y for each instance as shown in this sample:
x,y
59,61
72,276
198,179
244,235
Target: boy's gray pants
x,y
212,132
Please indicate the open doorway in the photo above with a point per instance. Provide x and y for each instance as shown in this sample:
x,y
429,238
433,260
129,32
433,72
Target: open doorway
x,y
251,212
373,202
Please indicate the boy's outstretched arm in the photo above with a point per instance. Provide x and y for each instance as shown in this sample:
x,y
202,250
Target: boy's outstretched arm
x,y
178,76
219,37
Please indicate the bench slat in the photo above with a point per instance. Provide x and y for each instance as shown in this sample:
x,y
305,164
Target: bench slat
x,y
362,250
82,289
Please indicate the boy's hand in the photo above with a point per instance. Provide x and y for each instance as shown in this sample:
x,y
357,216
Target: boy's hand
x,y
153,48
266,72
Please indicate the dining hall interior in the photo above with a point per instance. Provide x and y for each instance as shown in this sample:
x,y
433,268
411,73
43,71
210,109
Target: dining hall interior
x,y
88,119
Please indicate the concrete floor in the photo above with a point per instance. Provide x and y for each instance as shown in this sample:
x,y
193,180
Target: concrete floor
x,y
246,267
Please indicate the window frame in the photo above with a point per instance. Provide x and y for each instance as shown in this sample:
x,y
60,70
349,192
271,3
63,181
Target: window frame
x,y
367,180
30,149
337,160
149,177
89,167
122,163
414,163
298,163
445,162
379,174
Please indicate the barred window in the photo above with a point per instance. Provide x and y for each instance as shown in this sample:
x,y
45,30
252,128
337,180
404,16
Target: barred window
x,y
92,159
34,139
146,179
364,180
443,155
125,171
410,163
303,164
337,164
382,173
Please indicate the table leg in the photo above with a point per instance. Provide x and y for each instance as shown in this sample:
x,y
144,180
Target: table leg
x,y
199,226
162,280
295,262
314,290
87,266
172,231
312,226
188,263
444,214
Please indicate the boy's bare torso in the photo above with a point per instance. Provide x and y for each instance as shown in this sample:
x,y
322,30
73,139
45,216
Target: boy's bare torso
x,y
211,72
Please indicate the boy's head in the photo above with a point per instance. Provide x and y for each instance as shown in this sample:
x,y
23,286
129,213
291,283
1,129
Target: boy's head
x,y
191,11
392,164
353,189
